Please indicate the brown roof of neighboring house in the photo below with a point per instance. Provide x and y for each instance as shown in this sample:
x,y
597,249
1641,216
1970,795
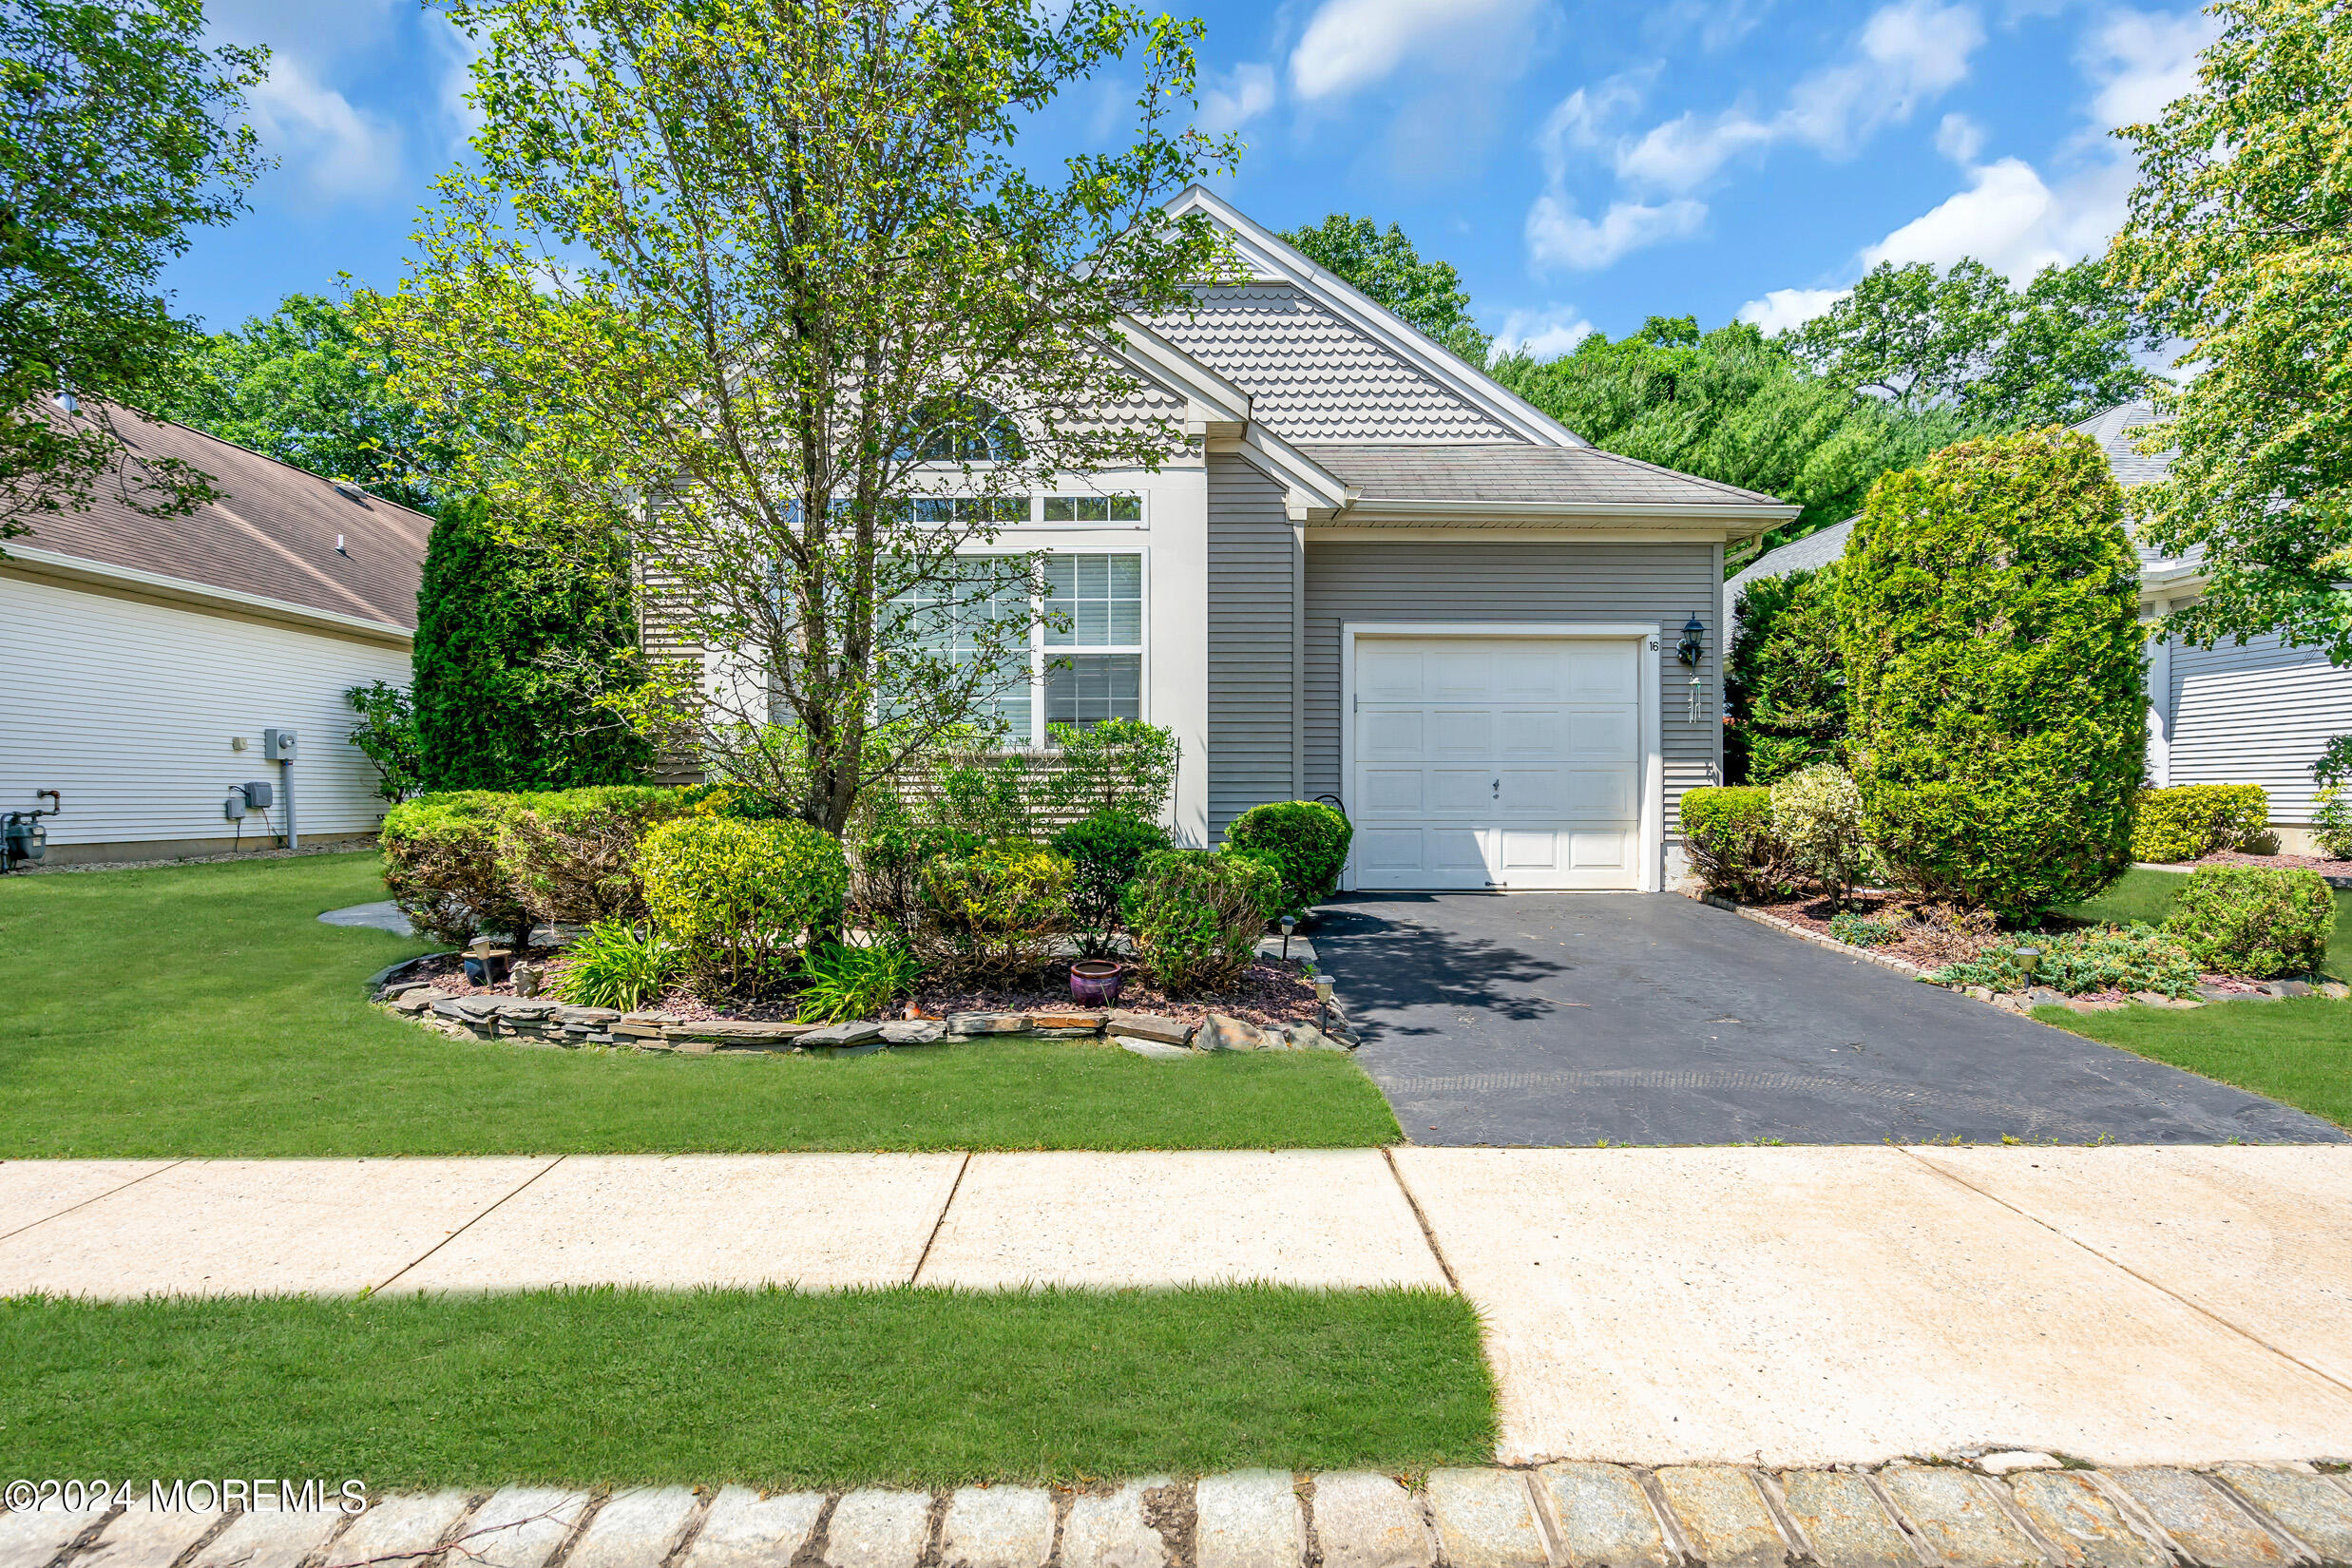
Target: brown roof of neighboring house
x,y
1518,472
273,531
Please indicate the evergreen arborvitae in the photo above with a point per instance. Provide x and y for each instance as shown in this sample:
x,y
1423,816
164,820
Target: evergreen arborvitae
x,y
514,640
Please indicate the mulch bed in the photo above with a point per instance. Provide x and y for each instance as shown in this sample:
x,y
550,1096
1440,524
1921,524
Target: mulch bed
x,y
2310,862
1269,994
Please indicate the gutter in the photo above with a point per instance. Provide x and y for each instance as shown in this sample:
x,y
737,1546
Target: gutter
x,y
74,568
1735,514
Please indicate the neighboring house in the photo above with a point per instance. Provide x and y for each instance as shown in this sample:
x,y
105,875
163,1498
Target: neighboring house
x,y
2256,714
1383,577
142,658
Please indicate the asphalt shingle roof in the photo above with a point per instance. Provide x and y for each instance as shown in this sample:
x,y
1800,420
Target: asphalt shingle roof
x,y
1501,471
273,532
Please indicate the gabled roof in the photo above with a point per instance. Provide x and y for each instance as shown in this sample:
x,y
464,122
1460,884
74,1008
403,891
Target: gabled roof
x,y
1522,472
270,537
1324,363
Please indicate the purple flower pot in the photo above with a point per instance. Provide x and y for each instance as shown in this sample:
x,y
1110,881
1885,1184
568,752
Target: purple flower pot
x,y
1096,981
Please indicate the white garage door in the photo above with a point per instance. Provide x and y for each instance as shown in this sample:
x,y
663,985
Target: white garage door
x,y
1496,762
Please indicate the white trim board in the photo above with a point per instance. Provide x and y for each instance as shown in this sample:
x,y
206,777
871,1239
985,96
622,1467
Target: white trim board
x,y
73,571
1645,632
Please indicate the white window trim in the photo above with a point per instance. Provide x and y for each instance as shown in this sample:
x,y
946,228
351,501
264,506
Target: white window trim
x,y
1653,727
1141,522
1040,654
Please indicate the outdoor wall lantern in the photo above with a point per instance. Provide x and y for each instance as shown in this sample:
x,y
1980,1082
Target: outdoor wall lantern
x,y
1694,642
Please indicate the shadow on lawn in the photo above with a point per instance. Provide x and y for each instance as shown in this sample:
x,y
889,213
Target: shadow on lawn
x,y
1385,960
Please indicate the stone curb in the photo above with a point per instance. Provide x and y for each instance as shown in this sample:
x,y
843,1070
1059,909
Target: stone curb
x,y
1997,1509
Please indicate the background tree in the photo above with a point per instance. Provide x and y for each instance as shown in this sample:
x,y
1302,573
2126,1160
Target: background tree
x,y
118,134
1728,406
2054,353
1785,679
758,289
2240,241
1996,706
300,386
1388,269
518,641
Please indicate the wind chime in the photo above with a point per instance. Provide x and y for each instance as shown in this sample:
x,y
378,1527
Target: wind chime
x,y
1691,648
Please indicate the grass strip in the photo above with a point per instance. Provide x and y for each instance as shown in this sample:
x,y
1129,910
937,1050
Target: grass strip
x,y
778,1388
203,1010
2297,1051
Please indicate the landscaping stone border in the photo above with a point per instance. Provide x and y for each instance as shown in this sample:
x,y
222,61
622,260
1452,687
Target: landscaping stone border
x,y
1993,1509
2038,996
547,1022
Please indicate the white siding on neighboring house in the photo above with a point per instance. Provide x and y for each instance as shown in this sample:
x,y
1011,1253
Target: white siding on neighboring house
x,y
127,707
2255,714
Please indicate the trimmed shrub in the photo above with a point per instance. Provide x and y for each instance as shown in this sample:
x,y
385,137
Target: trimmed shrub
x,y
1197,915
742,898
571,854
1997,711
1104,851
994,911
2122,958
615,964
1817,819
840,981
2257,921
1304,841
443,866
1727,835
2189,820
2331,820
1120,765
1784,680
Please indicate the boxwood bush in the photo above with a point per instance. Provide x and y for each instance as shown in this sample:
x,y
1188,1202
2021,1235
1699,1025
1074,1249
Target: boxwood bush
x,y
742,899
1304,841
1727,835
1196,916
571,854
2259,921
2188,820
1104,850
444,867
993,913
1997,713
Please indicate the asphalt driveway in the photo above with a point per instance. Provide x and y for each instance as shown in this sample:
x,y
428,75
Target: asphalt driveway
x,y
1633,1018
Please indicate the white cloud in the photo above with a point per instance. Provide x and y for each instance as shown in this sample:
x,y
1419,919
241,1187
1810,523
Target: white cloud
x,y
1247,92
2141,61
1353,43
1960,138
1784,308
2013,221
1546,334
1558,236
341,152
1907,53
459,117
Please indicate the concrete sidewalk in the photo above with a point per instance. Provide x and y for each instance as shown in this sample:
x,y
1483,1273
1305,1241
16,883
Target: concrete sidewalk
x,y
1762,1306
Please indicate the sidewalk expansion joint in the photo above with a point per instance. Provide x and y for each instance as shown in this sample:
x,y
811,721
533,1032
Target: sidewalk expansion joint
x,y
939,1224
1428,1232
2166,1291
171,1165
468,1225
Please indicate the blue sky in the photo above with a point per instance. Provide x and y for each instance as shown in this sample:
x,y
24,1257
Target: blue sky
x,y
1583,166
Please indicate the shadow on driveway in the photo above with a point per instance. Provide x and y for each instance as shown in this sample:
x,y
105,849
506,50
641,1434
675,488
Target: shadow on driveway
x,y
1646,1017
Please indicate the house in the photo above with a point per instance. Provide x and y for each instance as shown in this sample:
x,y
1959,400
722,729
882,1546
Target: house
x,y
2259,713
1381,577
143,659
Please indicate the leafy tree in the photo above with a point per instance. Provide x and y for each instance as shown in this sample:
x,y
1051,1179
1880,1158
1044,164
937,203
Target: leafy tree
x,y
1387,268
2054,352
1997,707
300,386
386,736
2240,241
117,136
517,642
1728,406
746,281
1785,679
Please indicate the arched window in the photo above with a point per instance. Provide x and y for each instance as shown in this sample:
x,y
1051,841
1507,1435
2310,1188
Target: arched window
x,y
964,429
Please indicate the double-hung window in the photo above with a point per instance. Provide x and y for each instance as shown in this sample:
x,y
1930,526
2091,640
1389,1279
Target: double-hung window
x,y
1094,648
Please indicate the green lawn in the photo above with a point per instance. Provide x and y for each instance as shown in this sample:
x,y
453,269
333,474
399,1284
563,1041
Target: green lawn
x,y
203,1010
2297,1051
902,1387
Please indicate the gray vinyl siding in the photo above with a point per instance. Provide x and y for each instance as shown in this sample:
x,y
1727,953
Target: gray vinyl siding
x,y
2257,715
1253,663
1525,581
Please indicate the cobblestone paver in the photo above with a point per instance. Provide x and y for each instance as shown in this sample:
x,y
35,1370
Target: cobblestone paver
x,y
1928,1514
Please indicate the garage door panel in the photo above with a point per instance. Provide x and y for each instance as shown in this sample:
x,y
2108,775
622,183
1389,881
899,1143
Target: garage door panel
x,y
1498,762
